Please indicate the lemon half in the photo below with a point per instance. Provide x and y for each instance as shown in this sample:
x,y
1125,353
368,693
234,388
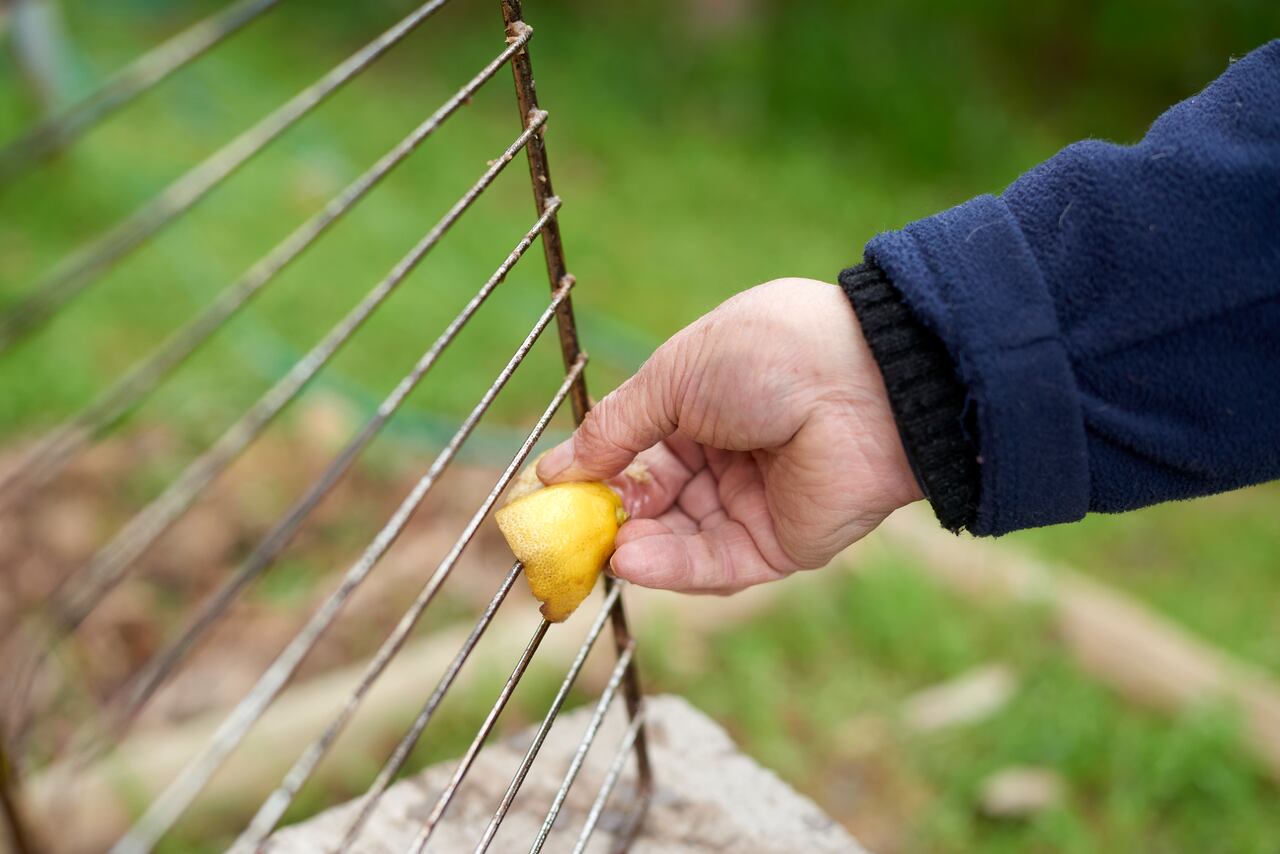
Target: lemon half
x,y
564,535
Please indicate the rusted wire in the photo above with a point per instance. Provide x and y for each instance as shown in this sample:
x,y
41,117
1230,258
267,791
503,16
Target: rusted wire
x,y
540,179
179,794
557,271
276,804
395,762
153,674
80,595
580,755
611,600
76,599
44,461
607,786
451,788
146,71
633,699
85,264
482,735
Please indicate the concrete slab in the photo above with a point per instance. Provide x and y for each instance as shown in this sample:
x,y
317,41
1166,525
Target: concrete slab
x,y
709,797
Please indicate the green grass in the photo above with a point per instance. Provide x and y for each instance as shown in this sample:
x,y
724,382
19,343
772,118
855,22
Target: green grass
x,y
788,684
694,160
1211,564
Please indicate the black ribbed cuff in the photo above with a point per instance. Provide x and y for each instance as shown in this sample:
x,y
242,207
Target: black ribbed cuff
x,y
926,396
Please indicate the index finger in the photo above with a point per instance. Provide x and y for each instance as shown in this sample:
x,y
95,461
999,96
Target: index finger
x,y
637,415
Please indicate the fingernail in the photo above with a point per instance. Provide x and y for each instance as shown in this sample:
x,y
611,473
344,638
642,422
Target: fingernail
x,y
556,462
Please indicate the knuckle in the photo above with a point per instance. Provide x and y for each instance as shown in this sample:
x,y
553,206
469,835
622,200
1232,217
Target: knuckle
x,y
609,429
689,364
594,433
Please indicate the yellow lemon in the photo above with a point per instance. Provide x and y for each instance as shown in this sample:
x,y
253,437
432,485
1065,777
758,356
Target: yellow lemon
x,y
563,534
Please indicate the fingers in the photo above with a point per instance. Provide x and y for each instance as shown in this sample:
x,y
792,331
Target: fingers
x,y
636,416
687,451
700,499
670,554
650,486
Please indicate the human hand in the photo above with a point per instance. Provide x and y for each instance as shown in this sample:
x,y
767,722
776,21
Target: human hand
x,y
768,440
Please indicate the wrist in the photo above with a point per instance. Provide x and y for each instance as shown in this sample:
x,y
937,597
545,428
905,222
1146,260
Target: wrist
x,y
924,394
850,394
875,417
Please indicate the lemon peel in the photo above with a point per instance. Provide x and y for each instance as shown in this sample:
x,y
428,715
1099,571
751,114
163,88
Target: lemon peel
x,y
564,535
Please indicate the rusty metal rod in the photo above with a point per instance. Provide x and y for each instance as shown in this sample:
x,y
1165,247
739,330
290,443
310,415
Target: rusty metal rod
x,y
482,735
57,132
138,534
395,762
610,602
540,178
606,788
271,811
166,809
109,565
465,763
45,460
156,670
580,755
557,271
85,264
633,698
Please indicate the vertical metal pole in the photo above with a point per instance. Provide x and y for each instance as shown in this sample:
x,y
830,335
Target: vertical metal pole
x,y
558,273
540,175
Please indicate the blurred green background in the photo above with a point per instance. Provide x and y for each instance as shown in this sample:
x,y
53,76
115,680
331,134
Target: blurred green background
x,y
700,147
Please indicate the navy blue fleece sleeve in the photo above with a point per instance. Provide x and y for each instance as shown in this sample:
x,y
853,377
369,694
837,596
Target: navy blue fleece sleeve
x,y
1115,315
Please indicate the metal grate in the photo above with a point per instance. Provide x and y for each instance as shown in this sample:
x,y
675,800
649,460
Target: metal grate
x,y
84,589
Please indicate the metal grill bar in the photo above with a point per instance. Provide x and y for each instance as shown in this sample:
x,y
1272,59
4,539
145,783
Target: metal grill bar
x,y
276,804
49,456
580,755
540,178
77,596
633,698
611,599
557,271
464,764
173,801
56,133
629,741
400,755
158,668
153,674
438,811
110,563
82,266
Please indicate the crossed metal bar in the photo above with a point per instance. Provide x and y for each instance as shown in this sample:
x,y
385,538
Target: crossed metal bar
x,y
79,595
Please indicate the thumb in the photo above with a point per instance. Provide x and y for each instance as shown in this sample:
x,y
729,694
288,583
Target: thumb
x,y
637,415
